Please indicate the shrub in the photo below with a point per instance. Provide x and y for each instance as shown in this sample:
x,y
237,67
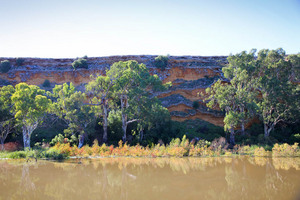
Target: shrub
x,y
80,63
285,150
5,66
196,105
161,62
57,139
54,154
19,61
260,152
12,146
46,83
17,155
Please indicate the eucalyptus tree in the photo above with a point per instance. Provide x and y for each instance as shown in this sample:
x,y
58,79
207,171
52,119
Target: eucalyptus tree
x,y
274,74
30,105
6,116
236,96
100,92
131,81
71,107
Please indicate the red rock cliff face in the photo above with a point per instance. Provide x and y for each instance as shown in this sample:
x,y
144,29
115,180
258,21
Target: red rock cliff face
x,y
190,76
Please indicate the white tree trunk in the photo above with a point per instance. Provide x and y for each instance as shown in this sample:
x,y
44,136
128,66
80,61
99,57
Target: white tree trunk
x,y
243,128
267,130
26,138
27,131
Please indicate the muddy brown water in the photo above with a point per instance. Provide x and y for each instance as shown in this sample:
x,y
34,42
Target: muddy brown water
x,y
152,178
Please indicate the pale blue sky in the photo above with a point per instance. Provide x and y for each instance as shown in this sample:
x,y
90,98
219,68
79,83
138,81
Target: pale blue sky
x,y
74,28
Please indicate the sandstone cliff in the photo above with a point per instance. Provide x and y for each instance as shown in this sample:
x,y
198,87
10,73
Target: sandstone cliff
x,y
190,76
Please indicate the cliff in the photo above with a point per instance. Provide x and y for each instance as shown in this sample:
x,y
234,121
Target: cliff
x,y
190,76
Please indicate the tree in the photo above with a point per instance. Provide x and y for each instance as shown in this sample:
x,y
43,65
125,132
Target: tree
x,y
100,93
161,62
29,105
239,72
131,81
5,66
70,106
236,96
274,74
46,83
6,116
20,61
80,63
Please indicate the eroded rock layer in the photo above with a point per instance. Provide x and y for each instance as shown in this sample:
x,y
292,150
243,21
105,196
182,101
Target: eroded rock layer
x,y
190,75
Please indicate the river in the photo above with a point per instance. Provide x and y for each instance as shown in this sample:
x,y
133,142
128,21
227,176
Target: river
x,y
152,178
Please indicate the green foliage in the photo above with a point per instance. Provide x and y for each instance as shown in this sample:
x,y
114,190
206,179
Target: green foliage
x,y
54,154
132,84
17,155
80,63
19,61
58,138
161,62
5,66
100,92
70,106
273,74
236,98
46,83
115,126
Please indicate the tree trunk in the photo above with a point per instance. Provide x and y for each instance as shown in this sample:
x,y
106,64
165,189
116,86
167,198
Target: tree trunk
x,y
231,141
124,116
81,141
243,128
267,130
2,145
105,124
26,138
124,127
141,135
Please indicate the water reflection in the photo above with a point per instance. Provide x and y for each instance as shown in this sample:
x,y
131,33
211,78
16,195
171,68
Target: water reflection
x,y
148,178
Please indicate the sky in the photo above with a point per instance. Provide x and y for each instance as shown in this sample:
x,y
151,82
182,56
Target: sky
x,y
75,28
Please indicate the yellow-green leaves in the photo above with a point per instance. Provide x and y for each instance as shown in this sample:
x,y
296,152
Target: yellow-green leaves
x,y
30,103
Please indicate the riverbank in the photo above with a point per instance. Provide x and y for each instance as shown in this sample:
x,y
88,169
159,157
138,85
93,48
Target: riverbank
x,y
176,148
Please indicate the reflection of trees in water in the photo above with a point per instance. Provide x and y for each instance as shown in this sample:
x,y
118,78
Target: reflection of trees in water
x,y
259,161
26,183
128,178
286,163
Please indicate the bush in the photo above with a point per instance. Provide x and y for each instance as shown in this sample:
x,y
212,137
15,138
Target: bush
x,y
46,83
196,105
80,63
161,62
17,155
19,61
54,154
285,150
5,66
57,139
12,146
